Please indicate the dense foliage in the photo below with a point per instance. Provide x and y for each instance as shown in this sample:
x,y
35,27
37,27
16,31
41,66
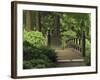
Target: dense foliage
x,y
88,53
38,57
35,38
47,22
65,35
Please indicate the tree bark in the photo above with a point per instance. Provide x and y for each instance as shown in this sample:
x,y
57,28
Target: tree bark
x,y
38,21
29,20
57,24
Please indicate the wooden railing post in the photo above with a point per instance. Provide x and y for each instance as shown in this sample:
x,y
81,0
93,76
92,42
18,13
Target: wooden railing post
x,y
79,41
49,38
74,40
83,44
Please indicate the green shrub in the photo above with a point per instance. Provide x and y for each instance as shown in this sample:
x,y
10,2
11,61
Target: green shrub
x,y
68,34
88,53
35,38
38,63
28,50
41,57
27,64
52,55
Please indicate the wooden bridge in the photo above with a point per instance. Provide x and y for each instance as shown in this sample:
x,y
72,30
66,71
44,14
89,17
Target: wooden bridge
x,y
73,54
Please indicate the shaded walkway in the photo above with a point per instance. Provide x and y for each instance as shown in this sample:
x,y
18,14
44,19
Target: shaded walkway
x,y
69,57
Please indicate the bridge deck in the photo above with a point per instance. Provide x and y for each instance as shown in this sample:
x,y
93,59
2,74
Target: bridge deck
x,y
68,53
69,57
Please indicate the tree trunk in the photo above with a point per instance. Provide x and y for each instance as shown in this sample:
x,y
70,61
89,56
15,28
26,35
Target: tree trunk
x,y
38,21
57,25
55,37
29,20
83,43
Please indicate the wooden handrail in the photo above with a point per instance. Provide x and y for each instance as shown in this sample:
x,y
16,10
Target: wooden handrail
x,y
78,43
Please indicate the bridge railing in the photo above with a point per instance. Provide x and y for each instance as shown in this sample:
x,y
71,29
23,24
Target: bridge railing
x,y
77,43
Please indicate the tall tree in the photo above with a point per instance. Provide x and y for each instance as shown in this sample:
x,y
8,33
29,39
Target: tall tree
x,y
29,20
57,24
38,20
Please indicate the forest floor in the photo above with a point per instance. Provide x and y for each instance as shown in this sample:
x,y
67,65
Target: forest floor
x,y
69,57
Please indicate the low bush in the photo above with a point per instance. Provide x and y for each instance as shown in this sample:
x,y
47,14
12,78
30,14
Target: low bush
x,y
38,63
35,38
41,57
50,53
88,53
